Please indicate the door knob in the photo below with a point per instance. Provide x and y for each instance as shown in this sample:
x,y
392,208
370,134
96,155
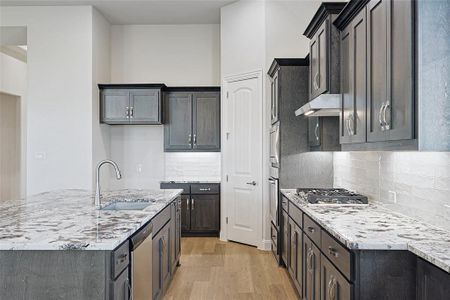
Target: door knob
x,y
252,183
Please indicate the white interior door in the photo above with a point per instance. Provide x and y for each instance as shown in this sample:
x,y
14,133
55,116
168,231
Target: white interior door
x,y
243,159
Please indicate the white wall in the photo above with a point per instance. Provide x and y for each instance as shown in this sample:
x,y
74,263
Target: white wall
x,y
13,81
171,54
177,55
101,73
59,95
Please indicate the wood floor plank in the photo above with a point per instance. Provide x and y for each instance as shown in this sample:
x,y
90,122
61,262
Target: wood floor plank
x,y
212,269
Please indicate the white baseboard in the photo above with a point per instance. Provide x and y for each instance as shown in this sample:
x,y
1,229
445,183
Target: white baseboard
x,y
266,245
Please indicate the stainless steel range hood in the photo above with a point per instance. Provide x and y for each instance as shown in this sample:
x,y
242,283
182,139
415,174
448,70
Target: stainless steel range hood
x,y
325,105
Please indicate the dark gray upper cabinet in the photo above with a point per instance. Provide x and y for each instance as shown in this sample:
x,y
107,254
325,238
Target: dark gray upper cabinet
x,y
324,50
206,121
131,104
353,81
192,120
178,122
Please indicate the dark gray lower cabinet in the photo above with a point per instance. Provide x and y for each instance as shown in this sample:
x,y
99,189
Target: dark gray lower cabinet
x,y
285,238
161,261
311,270
432,283
199,208
120,288
296,257
333,285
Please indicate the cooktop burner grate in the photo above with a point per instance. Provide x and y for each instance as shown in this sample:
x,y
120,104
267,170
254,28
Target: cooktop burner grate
x,y
331,196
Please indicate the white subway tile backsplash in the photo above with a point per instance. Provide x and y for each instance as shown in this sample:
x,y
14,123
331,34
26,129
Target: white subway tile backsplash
x,y
421,181
199,166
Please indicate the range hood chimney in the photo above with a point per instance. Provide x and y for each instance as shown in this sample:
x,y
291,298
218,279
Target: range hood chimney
x,y
324,105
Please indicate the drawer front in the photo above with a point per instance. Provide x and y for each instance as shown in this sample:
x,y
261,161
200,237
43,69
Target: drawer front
x,y
337,254
284,203
186,187
120,259
160,220
296,214
205,188
312,229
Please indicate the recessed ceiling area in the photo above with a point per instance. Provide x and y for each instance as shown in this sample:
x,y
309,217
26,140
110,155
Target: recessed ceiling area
x,y
125,12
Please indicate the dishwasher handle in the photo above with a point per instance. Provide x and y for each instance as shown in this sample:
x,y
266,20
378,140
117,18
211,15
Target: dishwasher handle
x,y
141,235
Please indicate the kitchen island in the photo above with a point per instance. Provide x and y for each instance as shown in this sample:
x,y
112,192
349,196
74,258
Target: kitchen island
x,y
57,245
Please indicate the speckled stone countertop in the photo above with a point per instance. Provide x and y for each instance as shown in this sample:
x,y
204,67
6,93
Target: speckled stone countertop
x,y
68,219
372,227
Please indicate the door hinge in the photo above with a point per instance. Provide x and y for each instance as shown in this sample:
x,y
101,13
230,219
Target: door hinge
x,y
226,220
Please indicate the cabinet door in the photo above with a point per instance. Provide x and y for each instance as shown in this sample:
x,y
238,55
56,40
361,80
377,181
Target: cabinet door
x,y
157,282
322,76
165,255
314,131
333,285
178,122
185,213
296,266
121,288
205,214
314,67
206,121
432,283
353,81
115,106
286,238
311,270
173,229
377,90
178,230
145,107
399,112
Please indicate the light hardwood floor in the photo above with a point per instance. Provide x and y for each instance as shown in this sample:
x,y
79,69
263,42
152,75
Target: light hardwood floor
x,y
211,269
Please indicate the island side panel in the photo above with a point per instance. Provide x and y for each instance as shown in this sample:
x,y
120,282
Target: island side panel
x,y
44,275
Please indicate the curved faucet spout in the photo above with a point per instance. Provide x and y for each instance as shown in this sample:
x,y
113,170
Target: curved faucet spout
x,y
97,188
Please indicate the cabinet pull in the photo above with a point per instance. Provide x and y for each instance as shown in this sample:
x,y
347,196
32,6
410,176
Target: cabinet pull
x,y
195,139
332,284
316,131
205,189
188,201
131,112
380,116
333,251
193,204
122,258
386,124
311,229
351,125
316,85
127,112
189,139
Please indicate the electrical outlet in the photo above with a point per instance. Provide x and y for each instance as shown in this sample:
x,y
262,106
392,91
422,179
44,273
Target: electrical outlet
x,y
393,196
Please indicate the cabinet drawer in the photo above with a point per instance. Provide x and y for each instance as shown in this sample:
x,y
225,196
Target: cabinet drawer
x,y
296,214
205,188
186,187
312,229
337,254
284,203
160,220
120,259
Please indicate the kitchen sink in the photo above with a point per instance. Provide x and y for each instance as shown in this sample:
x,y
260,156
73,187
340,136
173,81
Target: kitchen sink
x,y
126,206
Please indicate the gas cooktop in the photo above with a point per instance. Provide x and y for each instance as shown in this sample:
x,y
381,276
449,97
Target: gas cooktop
x,y
330,196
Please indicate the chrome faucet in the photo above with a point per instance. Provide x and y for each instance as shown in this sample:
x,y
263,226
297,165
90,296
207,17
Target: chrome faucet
x,y
97,188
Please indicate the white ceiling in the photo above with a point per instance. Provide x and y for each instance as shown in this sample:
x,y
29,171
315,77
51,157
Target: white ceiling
x,y
144,11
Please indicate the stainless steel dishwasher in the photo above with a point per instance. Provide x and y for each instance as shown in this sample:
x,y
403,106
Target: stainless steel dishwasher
x,y
141,264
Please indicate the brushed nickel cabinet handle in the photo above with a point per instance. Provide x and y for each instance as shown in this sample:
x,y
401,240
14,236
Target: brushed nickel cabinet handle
x,y
131,112
333,251
386,124
193,204
195,139
380,116
316,133
189,139
311,229
127,112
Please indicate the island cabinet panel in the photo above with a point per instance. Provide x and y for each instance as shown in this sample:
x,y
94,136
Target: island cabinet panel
x,y
432,283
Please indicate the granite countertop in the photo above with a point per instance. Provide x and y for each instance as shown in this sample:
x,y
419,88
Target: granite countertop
x,y
373,227
68,219
191,181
